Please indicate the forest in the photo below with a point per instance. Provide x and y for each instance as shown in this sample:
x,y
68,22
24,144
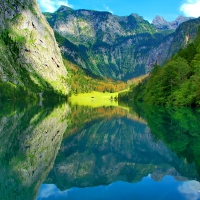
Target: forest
x,y
176,83
83,81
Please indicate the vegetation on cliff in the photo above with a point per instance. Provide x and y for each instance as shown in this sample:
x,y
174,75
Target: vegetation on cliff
x,y
117,47
24,86
30,60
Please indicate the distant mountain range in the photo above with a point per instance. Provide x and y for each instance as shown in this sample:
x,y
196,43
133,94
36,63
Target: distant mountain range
x,y
161,24
118,47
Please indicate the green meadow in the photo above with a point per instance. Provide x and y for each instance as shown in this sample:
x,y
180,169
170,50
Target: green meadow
x,y
95,99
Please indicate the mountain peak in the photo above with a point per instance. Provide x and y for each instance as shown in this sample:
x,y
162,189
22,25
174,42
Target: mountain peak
x,y
134,15
161,24
158,20
64,8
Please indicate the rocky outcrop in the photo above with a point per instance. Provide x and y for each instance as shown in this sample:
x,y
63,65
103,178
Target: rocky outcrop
x,y
179,20
161,24
29,53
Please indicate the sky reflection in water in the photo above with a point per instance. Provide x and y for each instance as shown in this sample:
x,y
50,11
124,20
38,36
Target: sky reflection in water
x,y
168,188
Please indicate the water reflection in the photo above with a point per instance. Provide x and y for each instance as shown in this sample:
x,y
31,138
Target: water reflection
x,y
168,188
30,137
178,128
122,147
92,153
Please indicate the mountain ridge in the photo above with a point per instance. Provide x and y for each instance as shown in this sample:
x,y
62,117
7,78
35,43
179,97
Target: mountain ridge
x,y
112,46
100,40
161,24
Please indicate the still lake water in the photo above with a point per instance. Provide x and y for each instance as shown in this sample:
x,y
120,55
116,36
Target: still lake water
x,y
107,153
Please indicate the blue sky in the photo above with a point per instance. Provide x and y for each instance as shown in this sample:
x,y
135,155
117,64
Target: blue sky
x,y
169,9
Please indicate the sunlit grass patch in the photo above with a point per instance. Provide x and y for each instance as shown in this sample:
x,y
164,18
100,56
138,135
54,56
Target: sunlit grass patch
x,y
95,99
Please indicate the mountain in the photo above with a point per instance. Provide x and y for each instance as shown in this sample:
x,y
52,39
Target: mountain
x,y
171,44
161,24
30,60
109,45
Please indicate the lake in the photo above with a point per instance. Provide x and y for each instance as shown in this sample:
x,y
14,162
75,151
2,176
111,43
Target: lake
x,y
66,151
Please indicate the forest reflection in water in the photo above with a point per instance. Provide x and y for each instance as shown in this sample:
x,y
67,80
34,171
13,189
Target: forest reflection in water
x,y
68,148
111,144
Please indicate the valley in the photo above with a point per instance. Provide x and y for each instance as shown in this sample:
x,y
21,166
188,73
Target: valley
x,y
97,105
96,51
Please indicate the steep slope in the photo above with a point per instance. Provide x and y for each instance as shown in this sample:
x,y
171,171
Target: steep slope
x,y
112,46
183,36
30,57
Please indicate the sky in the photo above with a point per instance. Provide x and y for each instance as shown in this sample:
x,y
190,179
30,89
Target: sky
x,y
148,9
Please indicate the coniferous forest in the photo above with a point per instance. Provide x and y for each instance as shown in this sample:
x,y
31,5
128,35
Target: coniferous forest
x,y
176,83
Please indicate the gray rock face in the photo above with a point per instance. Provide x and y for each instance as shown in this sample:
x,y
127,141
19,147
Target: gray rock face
x,y
161,24
37,51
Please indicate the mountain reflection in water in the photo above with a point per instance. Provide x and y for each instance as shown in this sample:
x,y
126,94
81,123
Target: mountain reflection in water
x,y
98,153
123,147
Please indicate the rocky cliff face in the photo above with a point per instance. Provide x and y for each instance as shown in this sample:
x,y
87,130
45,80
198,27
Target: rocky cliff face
x,y
29,54
184,34
109,45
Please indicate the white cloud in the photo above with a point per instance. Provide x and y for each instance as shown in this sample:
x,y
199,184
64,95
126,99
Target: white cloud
x,y
46,190
108,9
190,190
191,8
50,191
52,5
